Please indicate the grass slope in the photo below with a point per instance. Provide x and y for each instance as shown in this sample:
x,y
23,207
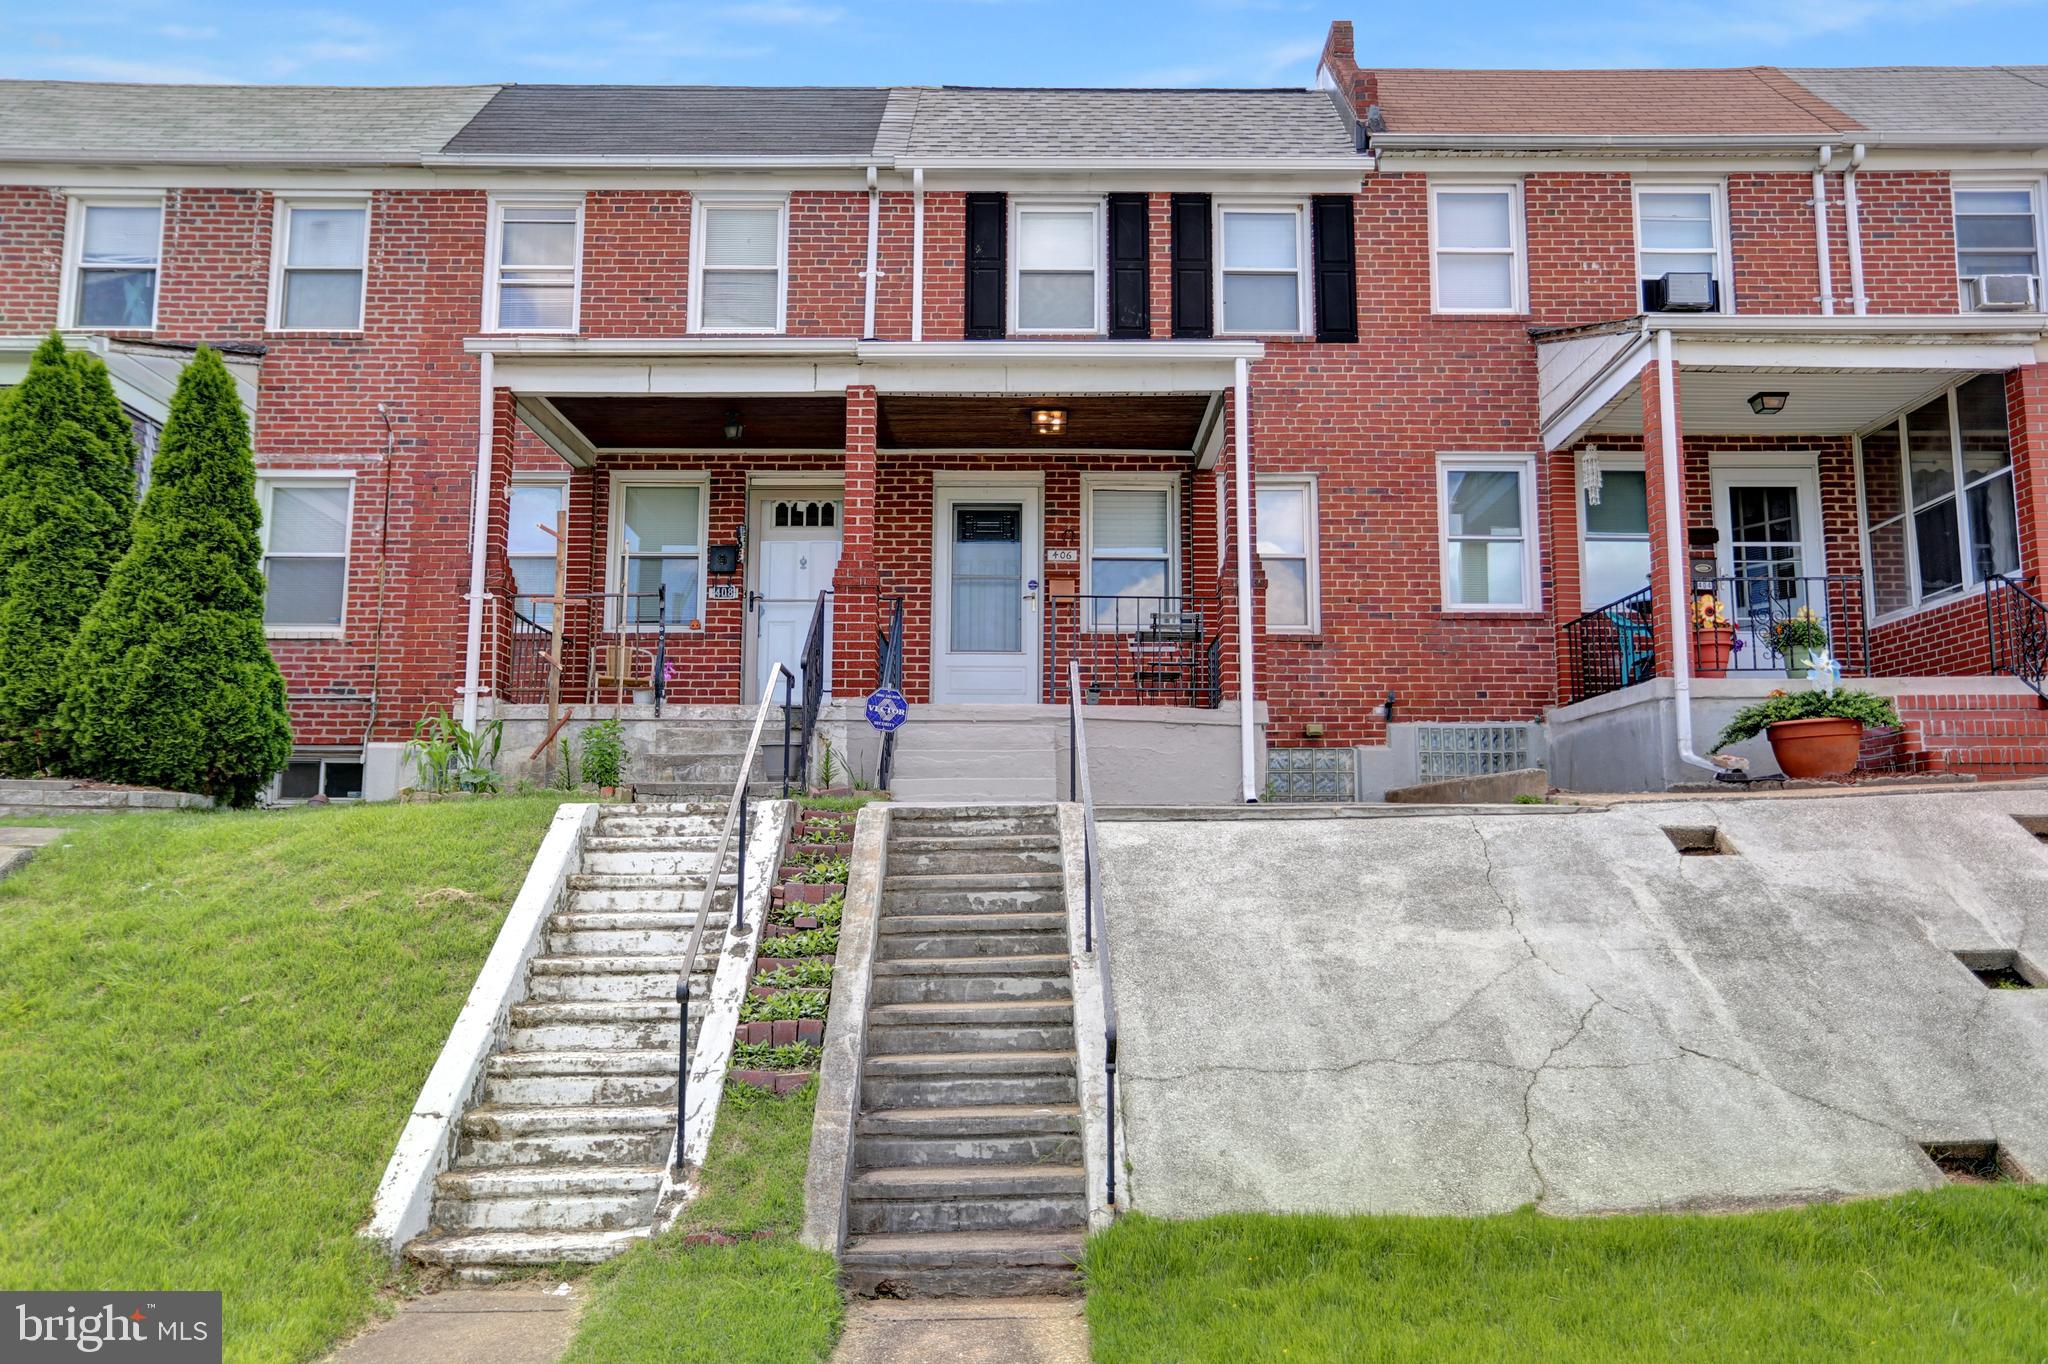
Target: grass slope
x,y
212,1027
769,1300
1957,1274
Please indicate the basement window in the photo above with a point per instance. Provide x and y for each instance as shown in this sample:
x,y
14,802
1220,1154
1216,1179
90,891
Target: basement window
x,y
1975,1162
310,775
2001,968
1699,841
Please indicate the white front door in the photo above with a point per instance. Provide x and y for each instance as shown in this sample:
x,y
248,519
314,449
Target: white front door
x,y
1771,547
986,593
796,550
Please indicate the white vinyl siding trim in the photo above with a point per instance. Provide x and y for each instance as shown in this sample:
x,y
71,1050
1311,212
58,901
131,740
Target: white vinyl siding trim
x,y
1505,555
1288,543
1477,262
1271,253
739,274
107,236
1058,273
680,559
308,518
312,266
1681,204
534,264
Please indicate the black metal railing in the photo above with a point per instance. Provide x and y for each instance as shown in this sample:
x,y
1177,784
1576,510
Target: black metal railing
x,y
1766,611
1608,648
1094,938
1134,650
796,765
590,647
889,673
2019,631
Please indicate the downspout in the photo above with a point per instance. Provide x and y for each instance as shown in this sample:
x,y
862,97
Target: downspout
x,y
479,526
1820,232
1853,216
867,316
1247,702
1674,527
917,254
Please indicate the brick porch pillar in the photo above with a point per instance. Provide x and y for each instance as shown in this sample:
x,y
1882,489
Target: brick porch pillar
x,y
1667,616
2026,405
1563,538
856,585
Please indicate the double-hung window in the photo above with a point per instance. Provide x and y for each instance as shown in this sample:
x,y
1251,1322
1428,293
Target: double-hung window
x,y
305,553
1287,551
1058,281
1678,232
658,538
739,256
1262,285
117,245
1616,559
1938,504
1998,232
1476,245
320,253
531,546
1130,551
536,245
1487,506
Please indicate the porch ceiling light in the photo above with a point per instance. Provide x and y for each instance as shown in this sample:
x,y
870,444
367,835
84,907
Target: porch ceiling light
x,y
1049,421
734,427
1767,404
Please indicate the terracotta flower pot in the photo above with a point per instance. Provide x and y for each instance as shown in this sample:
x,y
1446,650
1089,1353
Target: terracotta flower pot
x,y
1714,648
1824,747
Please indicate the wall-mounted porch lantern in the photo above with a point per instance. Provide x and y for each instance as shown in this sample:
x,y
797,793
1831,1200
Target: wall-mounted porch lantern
x,y
734,428
1767,404
1049,421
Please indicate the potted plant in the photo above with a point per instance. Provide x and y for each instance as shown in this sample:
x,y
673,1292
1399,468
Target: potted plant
x,y
1713,636
1801,640
1813,733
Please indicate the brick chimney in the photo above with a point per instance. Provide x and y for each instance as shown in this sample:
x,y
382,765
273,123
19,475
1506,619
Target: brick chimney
x,y
1358,90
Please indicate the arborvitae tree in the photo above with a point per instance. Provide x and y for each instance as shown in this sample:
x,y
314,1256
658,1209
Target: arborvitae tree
x,y
67,494
170,682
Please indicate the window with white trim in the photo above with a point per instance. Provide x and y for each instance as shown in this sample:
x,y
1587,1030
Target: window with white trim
x,y
1678,231
1262,287
1487,511
305,552
1476,248
1615,557
1938,510
532,548
658,534
320,253
311,773
1287,552
535,248
117,246
1998,232
1056,267
1131,551
739,256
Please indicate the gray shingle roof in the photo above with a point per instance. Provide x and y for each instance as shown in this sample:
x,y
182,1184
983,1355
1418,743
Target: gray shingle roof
x,y
43,120
674,121
1936,99
966,123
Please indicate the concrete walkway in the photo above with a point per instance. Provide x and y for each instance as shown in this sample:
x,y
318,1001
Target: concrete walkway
x,y
962,1331
18,843
500,1325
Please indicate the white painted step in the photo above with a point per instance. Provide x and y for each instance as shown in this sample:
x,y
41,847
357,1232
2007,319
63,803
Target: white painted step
x,y
528,1248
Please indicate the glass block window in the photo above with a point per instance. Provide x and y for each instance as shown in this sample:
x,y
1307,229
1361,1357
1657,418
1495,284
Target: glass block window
x,y
1311,775
1447,751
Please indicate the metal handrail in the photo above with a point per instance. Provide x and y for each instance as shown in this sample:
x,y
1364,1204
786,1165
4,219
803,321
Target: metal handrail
x,y
2018,625
889,673
1079,789
813,681
735,815
1608,647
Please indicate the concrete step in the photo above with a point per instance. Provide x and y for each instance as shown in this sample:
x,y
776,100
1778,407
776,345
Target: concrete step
x,y
567,1148
975,862
953,900
987,785
580,1078
968,1198
906,936
487,1120
963,1264
947,821
633,858
603,933
977,1014
1047,839
933,980
693,826
526,1248
580,979
969,1120
546,1198
599,1026
926,1036
912,925
967,1089
760,788
1042,878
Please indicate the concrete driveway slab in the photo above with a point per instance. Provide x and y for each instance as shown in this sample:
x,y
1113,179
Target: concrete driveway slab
x,y
968,1331
503,1326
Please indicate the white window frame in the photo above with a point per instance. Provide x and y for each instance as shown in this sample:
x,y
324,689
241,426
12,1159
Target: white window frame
x,y
1099,263
699,206
280,242
615,575
1959,494
1717,211
1304,307
2037,189
561,486
267,483
1312,542
1532,556
321,757
69,295
1611,462
1169,484
1517,248
493,265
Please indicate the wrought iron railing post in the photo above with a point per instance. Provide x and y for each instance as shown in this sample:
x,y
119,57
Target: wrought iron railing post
x,y
788,697
660,645
739,892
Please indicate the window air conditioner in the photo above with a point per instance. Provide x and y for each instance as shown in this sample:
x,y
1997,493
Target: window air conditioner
x,y
1689,291
2002,293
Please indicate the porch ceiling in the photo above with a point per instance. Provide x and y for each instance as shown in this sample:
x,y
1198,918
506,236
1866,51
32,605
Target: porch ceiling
x,y
698,423
1150,421
1714,401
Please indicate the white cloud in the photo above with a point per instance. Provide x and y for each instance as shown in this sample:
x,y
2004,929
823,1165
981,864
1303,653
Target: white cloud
x,y
89,68
780,15
1280,64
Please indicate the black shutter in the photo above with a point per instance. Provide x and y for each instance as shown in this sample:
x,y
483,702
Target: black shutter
x,y
1336,269
1130,269
987,265
1192,263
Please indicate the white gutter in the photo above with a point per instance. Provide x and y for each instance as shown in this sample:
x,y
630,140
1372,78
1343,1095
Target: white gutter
x,y
479,525
1854,217
1674,527
917,254
1820,232
1247,702
867,316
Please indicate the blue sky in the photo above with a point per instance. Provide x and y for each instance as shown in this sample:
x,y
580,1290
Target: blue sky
x,y
992,42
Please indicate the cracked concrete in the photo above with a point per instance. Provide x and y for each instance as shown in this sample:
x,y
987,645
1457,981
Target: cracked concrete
x,y
1465,1013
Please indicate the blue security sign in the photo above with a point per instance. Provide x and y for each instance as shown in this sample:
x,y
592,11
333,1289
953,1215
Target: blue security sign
x,y
887,710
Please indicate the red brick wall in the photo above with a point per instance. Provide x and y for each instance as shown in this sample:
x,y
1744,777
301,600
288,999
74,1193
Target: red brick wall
x,y
1909,241
1582,249
31,257
1770,229
636,263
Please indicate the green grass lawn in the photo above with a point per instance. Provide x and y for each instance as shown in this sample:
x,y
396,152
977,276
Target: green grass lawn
x,y
1956,1274
212,1027
768,1300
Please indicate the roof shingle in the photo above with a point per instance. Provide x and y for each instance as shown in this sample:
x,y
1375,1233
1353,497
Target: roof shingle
x,y
964,122
1594,103
675,121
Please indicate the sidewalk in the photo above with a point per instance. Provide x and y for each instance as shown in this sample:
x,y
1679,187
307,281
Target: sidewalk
x,y
963,1331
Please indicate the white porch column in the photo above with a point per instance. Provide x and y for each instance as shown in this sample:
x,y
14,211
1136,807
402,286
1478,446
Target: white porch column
x,y
479,536
1247,696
